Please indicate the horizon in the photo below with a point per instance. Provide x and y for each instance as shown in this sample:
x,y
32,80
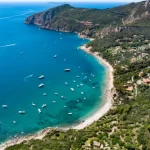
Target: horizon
x,y
70,1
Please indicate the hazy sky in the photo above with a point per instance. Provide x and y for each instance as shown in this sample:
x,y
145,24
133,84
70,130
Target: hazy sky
x,y
70,0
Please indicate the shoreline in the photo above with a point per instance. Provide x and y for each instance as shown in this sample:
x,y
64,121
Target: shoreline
x,y
108,92
89,120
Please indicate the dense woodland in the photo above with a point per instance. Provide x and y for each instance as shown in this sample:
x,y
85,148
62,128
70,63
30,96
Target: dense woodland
x,y
127,125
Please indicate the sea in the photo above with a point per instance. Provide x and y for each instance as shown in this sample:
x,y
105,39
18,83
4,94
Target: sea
x,y
26,53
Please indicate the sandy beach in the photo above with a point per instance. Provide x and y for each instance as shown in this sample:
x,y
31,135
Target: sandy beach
x,y
108,93
96,116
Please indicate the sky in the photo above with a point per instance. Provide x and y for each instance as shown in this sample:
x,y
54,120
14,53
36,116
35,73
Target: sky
x,y
70,0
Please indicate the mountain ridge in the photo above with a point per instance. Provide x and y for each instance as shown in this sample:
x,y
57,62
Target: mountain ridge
x,y
90,21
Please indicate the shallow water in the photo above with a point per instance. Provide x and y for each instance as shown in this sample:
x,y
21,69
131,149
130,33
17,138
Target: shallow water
x,y
26,52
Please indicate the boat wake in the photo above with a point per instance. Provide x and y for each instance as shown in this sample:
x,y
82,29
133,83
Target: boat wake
x,y
17,15
8,45
27,77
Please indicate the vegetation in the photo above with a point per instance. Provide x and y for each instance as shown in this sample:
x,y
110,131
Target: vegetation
x,y
127,125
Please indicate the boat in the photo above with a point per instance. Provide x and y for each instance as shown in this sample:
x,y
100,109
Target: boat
x,y
69,113
56,94
44,105
4,106
65,106
77,86
39,110
14,122
66,83
74,81
84,98
89,80
62,97
21,112
78,76
41,85
81,84
44,94
67,70
72,89
78,101
93,87
82,93
54,101
33,104
55,56
41,77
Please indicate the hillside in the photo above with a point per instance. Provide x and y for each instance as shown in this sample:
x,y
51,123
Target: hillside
x,y
122,37
90,22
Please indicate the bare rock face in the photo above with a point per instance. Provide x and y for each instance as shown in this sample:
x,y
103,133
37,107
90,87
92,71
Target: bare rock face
x,y
147,3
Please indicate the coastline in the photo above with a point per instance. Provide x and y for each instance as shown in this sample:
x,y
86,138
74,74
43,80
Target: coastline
x,y
89,120
108,92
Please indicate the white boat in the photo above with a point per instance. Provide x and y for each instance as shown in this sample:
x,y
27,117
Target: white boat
x,y
39,110
84,98
77,86
44,94
89,80
41,77
65,106
14,122
41,85
21,112
78,101
74,81
66,83
44,105
4,106
72,89
33,104
69,113
81,84
78,76
82,93
55,56
67,70
56,94
54,101
62,97
93,87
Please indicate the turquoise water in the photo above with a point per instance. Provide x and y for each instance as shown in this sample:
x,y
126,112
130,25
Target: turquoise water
x,y
26,52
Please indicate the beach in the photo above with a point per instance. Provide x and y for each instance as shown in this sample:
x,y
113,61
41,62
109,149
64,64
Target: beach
x,y
108,92
96,116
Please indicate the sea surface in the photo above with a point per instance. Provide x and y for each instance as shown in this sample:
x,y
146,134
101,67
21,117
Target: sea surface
x,y
27,52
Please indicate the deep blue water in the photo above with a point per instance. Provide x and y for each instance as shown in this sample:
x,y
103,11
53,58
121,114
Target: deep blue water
x,y
26,52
